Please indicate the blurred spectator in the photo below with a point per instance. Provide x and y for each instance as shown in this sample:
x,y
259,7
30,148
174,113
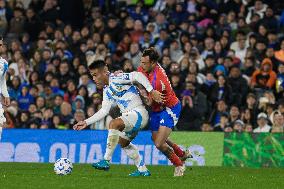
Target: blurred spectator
x,y
279,55
175,51
34,123
224,122
248,128
234,114
176,85
25,99
206,127
16,24
278,122
5,15
33,24
58,100
46,122
24,118
79,115
221,90
259,8
15,88
220,108
238,126
128,66
194,108
85,81
265,77
66,117
262,124
239,86
134,55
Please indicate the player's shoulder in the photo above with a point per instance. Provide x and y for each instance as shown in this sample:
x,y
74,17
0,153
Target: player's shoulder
x,y
161,70
106,88
140,69
119,76
3,61
107,93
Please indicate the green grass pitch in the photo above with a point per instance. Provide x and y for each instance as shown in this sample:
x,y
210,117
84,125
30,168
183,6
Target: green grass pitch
x,y
41,176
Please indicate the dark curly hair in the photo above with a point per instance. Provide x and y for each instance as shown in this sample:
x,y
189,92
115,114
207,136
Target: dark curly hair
x,y
152,53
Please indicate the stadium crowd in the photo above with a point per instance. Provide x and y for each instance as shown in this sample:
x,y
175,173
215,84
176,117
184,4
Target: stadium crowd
x,y
225,59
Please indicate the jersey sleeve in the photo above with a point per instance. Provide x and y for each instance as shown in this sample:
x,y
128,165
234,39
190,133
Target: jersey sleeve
x,y
3,83
106,105
130,78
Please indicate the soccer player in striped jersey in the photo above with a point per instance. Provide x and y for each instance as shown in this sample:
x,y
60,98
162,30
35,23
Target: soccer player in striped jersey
x,y
119,89
3,86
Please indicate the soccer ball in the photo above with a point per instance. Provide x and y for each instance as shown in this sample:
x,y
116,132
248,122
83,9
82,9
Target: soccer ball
x,y
63,166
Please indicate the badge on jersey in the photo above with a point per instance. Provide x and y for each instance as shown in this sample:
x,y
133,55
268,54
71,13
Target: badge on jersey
x,y
126,76
118,87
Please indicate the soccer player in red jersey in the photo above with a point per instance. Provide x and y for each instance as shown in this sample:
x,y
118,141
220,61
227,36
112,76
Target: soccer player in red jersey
x,y
164,116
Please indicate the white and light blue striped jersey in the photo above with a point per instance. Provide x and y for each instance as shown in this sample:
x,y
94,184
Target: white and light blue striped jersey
x,y
122,92
3,71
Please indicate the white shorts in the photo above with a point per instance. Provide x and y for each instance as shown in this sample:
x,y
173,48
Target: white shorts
x,y
134,121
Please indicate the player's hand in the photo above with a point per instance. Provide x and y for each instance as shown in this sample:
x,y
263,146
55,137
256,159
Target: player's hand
x,y
6,101
80,125
157,96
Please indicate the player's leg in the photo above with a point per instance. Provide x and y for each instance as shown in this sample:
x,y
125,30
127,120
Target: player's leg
x,y
2,120
160,134
134,121
183,155
133,153
160,137
178,151
173,114
162,124
115,126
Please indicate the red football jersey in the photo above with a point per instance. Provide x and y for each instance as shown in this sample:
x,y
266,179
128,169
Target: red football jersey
x,y
160,82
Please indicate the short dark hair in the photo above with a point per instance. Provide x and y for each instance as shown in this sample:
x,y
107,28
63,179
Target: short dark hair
x,y
97,64
152,53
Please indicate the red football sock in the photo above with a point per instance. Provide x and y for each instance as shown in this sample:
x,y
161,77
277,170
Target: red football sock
x,y
178,151
175,159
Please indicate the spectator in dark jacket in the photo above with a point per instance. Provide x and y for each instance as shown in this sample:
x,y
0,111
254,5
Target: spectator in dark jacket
x,y
194,108
269,19
33,24
49,13
221,90
239,86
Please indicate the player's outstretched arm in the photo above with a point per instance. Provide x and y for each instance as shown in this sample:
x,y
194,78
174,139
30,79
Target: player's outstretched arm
x,y
104,111
94,118
130,78
143,80
80,125
157,96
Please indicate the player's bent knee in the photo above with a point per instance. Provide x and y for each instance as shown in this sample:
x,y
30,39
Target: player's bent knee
x,y
116,124
113,124
123,142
